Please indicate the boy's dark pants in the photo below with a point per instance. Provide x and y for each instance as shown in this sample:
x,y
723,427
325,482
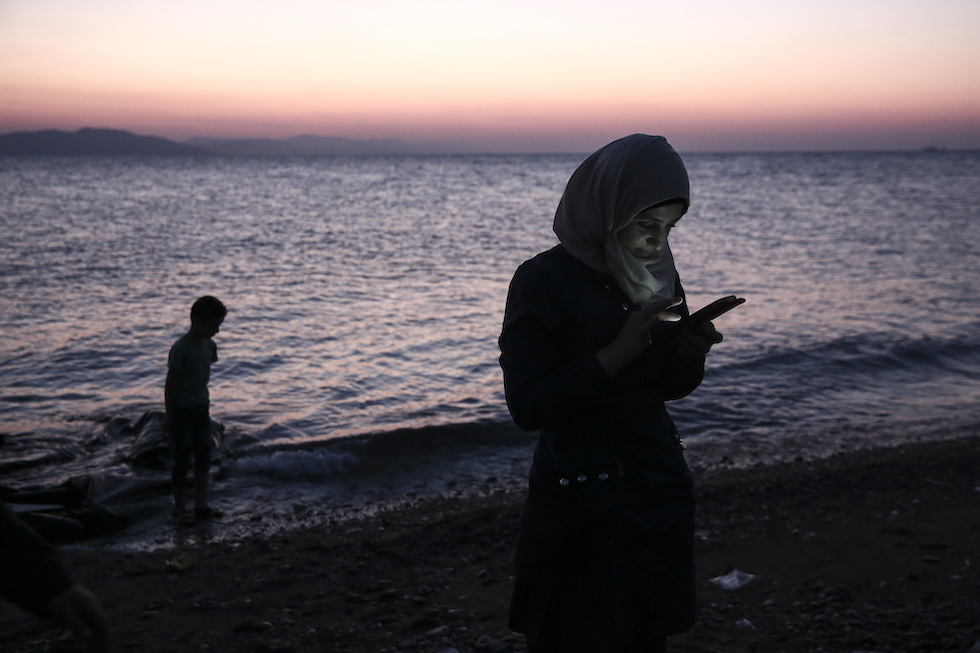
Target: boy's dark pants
x,y
192,431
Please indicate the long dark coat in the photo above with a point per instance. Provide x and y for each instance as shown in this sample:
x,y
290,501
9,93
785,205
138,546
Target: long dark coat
x,y
605,550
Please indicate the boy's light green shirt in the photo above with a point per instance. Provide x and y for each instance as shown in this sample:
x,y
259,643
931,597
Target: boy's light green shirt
x,y
192,360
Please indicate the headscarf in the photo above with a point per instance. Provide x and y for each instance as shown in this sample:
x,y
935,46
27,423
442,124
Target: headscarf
x,y
607,191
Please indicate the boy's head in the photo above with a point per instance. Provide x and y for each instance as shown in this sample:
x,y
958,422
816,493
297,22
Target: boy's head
x,y
208,311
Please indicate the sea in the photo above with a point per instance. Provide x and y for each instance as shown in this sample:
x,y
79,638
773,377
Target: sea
x,y
358,363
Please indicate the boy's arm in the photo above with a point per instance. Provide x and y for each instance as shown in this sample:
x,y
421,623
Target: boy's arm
x,y
170,399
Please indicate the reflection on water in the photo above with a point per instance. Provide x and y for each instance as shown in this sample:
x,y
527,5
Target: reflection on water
x,y
366,294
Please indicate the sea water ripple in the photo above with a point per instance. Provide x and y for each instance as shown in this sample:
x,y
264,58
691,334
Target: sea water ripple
x,y
366,295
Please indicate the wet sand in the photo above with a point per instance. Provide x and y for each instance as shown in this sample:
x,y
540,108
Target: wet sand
x,y
877,550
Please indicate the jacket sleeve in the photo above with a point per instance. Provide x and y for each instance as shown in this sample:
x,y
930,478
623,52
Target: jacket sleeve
x,y
541,388
30,572
683,365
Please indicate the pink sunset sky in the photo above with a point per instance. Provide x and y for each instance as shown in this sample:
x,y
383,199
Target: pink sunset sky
x,y
502,75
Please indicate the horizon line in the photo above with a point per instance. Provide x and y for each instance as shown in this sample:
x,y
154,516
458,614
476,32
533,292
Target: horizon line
x,y
435,147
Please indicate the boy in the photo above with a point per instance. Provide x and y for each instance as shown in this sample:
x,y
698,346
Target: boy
x,y
188,420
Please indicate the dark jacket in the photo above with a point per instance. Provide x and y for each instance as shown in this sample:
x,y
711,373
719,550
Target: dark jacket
x,y
559,313
609,461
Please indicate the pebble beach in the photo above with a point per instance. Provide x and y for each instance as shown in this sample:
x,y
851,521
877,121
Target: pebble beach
x,y
873,550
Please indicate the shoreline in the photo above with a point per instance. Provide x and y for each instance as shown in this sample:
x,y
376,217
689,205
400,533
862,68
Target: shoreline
x,y
872,550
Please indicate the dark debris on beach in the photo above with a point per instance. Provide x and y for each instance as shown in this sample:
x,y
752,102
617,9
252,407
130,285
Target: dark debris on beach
x,y
870,551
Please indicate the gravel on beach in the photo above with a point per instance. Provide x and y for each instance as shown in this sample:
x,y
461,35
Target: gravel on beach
x,y
875,550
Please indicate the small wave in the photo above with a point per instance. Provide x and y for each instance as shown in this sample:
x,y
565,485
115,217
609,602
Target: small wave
x,y
854,384
379,452
870,353
38,458
294,464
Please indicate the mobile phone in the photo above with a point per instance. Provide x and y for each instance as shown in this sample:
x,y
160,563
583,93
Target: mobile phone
x,y
706,314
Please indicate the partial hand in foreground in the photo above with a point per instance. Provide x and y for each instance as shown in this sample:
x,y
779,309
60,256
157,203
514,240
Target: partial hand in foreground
x,y
634,337
79,610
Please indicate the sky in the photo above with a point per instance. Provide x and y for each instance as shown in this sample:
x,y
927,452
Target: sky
x,y
502,75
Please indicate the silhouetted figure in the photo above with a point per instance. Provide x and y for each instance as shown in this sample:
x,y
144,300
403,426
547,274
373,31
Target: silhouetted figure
x,y
605,560
188,420
33,578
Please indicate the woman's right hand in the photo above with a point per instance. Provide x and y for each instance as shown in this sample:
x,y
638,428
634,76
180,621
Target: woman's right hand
x,y
634,337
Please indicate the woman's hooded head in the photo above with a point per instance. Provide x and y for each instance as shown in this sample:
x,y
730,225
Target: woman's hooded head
x,y
605,193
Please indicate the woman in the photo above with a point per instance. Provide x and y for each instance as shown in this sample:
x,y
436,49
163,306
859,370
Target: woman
x,y
605,550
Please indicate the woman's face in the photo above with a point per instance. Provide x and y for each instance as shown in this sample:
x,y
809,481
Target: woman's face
x,y
646,235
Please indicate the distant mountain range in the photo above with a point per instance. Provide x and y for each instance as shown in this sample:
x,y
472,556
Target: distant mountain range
x,y
115,142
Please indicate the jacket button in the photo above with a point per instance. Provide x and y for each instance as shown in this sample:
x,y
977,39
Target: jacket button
x,y
563,481
582,478
603,476
626,308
